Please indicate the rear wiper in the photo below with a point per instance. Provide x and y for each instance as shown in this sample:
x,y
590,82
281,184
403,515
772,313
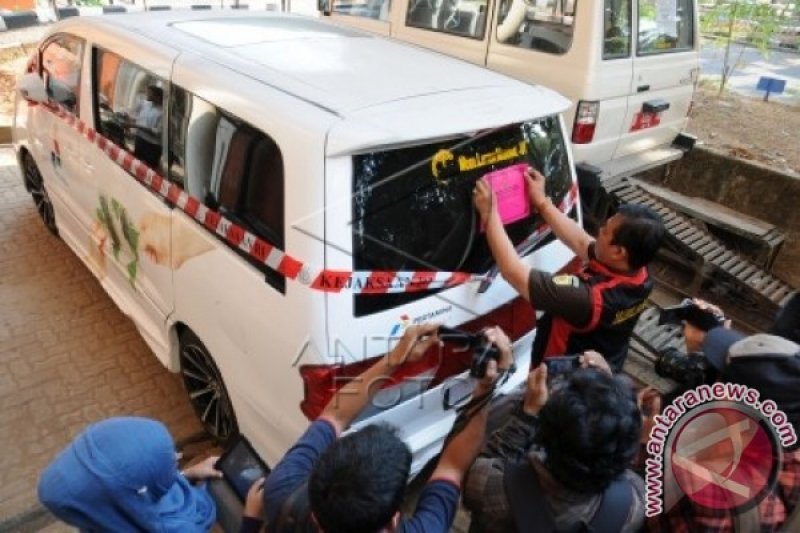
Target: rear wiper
x,y
524,248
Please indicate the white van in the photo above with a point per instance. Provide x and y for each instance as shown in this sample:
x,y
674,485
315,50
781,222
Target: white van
x,y
628,67
309,197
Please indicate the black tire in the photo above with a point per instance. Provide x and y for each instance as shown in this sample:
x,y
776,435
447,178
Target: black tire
x,y
206,389
35,185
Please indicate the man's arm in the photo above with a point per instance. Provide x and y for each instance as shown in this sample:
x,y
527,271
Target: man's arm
x,y
509,263
567,230
348,402
459,454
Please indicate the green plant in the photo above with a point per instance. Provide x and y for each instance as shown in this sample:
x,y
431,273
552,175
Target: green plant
x,y
743,20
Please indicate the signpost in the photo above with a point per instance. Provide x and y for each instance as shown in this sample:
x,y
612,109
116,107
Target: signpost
x,y
771,85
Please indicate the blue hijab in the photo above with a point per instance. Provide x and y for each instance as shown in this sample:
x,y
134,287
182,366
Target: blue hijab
x,y
121,474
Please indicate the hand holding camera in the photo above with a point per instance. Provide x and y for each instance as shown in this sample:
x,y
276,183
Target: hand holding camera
x,y
698,313
490,345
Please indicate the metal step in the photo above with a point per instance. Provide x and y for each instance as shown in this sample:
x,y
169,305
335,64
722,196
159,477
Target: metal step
x,y
736,269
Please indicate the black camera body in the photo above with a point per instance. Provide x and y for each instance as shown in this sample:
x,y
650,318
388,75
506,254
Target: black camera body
x,y
483,351
704,319
689,370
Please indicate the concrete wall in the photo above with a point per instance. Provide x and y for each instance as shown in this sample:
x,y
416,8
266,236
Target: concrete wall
x,y
751,188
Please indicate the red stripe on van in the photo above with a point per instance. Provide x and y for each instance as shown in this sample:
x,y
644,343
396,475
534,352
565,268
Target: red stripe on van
x,y
420,281
192,204
235,235
331,280
127,161
290,267
212,217
378,282
173,194
261,249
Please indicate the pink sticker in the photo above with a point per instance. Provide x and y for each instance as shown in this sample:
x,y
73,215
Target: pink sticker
x,y
508,185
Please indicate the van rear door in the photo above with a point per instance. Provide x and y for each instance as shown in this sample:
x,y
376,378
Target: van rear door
x,y
399,216
665,67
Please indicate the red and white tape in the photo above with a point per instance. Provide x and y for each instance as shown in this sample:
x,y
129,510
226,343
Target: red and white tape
x,y
361,282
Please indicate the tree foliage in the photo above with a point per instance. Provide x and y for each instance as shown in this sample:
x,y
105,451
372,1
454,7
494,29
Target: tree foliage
x,y
745,21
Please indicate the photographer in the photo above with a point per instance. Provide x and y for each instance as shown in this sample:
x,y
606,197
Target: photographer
x,y
575,475
597,307
770,364
356,483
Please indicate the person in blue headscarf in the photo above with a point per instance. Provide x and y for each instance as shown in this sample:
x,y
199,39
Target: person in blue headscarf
x,y
122,475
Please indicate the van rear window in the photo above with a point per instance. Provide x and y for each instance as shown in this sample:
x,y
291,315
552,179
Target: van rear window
x,y
412,206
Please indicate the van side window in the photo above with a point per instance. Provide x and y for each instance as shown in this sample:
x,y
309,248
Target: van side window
x,y
545,26
128,106
231,166
62,58
372,9
459,17
616,29
665,26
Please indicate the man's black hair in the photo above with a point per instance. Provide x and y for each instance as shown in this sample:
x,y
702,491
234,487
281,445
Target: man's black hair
x,y
787,323
157,91
589,430
359,482
640,233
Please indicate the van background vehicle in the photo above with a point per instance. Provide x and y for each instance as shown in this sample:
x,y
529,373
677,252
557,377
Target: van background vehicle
x,y
628,67
268,254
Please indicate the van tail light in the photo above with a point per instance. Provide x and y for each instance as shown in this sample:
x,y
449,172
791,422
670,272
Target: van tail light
x,y
585,122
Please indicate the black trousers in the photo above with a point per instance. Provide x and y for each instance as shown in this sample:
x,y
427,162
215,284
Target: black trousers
x,y
147,152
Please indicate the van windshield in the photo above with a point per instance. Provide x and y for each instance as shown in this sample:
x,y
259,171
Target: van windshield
x,y
412,206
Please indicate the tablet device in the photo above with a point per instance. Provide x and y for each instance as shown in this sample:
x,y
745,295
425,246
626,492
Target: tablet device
x,y
241,466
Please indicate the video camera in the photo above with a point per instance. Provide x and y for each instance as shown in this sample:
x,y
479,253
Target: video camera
x,y
705,319
482,350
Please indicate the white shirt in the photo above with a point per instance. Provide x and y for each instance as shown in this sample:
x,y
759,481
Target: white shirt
x,y
149,116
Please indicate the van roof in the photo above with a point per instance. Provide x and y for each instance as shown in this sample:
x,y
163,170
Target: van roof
x,y
333,67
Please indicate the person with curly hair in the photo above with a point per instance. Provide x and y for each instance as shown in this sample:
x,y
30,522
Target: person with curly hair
x,y
561,461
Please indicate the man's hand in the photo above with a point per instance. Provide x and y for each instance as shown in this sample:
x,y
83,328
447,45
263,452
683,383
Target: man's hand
x,y
416,340
254,504
203,470
536,394
484,200
695,336
649,402
592,359
535,182
497,337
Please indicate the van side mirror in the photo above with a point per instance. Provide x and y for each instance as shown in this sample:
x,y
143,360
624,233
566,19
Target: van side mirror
x,y
31,87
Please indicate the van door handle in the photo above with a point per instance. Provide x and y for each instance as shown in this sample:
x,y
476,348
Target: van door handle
x,y
642,88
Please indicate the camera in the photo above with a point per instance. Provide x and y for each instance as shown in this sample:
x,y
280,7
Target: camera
x,y
704,319
482,350
562,365
689,371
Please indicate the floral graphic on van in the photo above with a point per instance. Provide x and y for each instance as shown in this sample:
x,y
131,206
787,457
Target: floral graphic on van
x,y
114,221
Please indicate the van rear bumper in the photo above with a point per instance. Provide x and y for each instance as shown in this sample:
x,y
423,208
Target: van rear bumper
x,y
640,162
424,422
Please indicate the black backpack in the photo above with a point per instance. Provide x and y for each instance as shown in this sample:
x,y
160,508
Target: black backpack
x,y
532,512
295,515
